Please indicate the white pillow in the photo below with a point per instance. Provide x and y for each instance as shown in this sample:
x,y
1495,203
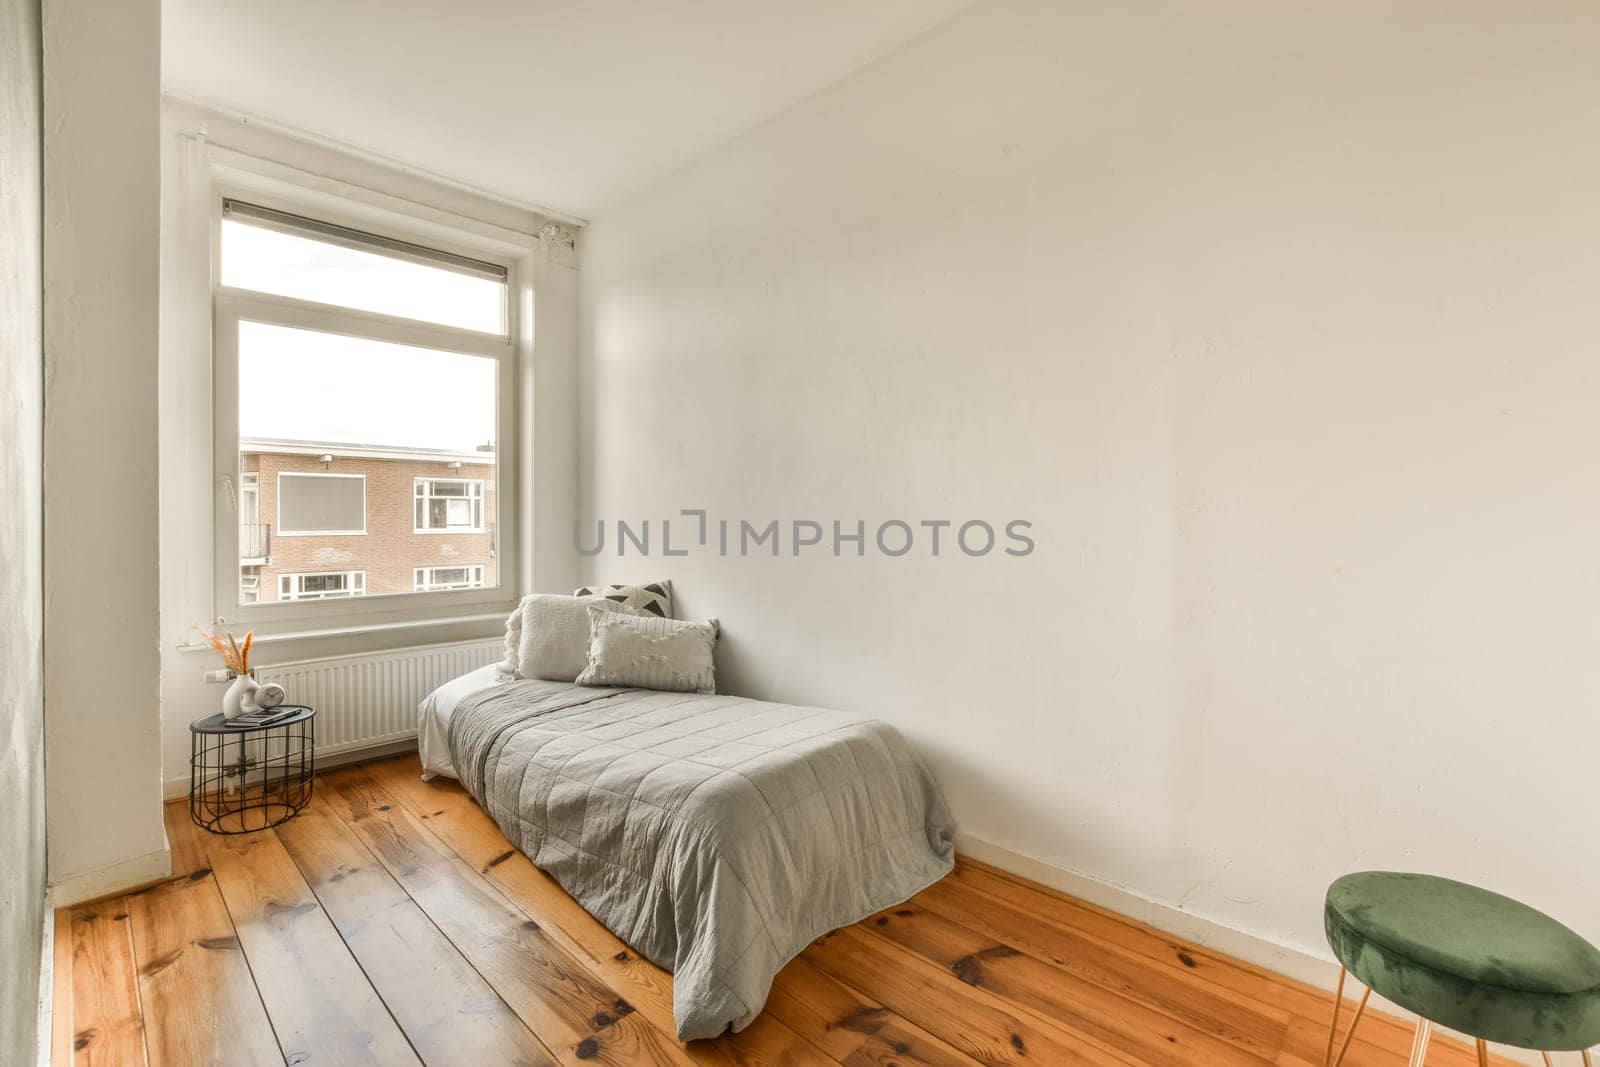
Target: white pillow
x,y
554,639
651,653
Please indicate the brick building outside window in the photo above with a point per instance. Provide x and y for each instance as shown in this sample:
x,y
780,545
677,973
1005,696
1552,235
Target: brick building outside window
x,y
323,521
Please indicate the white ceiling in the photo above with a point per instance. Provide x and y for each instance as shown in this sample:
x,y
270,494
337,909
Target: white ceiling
x,y
568,104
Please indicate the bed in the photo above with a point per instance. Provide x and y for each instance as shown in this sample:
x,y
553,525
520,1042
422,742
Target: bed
x,y
715,835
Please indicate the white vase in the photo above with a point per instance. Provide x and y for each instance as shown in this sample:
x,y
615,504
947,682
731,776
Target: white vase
x,y
240,697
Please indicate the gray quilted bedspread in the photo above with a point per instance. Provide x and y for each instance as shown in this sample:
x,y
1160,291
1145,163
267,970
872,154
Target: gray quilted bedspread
x,y
715,835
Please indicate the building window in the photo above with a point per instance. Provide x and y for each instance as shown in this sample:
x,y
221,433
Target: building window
x,y
325,585
449,504
321,504
351,367
254,535
250,587
424,579
249,497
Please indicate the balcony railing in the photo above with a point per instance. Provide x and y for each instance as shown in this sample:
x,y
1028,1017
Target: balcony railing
x,y
254,540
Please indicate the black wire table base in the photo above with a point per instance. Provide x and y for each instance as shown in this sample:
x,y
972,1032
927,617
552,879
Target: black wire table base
x,y
244,781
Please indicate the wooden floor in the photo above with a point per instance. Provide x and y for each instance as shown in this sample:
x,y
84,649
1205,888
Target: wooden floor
x,y
390,922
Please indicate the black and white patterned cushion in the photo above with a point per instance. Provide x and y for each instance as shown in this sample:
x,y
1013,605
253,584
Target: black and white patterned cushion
x,y
655,598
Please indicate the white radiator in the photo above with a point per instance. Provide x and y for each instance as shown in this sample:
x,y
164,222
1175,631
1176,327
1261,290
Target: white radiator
x,y
370,699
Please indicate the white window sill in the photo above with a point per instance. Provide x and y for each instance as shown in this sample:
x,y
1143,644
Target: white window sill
x,y
364,628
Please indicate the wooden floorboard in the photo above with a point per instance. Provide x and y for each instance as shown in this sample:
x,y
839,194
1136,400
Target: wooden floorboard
x,y
321,1005
1055,995
200,1002
449,1013
1381,1038
108,1028
61,989
1178,993
578,1017
391,922
851,1027
973,1020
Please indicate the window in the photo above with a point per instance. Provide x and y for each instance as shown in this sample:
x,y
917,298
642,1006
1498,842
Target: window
x,y
322,586
250,497
424,578
449,504
320,504
252,531
363,380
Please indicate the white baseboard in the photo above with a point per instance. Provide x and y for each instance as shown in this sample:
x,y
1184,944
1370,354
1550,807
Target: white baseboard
x,y
1319,971
114,878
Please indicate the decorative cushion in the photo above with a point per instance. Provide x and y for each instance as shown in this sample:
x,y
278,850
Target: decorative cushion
x,y
554,642
1466,958
650,653
655,598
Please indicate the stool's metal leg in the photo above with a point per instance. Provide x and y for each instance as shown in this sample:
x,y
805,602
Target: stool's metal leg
x,y
1547,1062
1354,1022
1483,1053
1333,1023
1419,1042
1586,1061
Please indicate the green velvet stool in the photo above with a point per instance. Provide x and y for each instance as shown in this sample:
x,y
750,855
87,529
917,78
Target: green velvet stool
x,y
1465,958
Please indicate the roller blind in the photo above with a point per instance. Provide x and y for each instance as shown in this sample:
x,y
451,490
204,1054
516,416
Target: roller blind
x,y
346,237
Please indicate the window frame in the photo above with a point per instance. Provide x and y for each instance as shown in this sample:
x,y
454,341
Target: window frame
x,y
510,351
481,500
278,500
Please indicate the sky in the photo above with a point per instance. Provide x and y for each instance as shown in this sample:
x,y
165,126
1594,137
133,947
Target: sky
x,y
326,387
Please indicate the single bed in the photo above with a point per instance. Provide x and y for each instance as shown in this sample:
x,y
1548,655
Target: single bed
x,y
715,835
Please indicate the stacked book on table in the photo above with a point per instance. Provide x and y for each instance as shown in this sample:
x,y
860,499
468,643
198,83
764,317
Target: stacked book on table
x,y
260,720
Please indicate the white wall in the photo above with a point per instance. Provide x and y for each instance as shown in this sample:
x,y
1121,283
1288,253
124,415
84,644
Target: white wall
x,y
101,662
1277,320
548,382
22,875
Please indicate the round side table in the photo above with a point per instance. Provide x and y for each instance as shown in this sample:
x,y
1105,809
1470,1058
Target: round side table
x,y
244,780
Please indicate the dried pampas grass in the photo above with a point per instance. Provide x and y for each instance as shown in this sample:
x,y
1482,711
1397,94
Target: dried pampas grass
x,y
234,656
